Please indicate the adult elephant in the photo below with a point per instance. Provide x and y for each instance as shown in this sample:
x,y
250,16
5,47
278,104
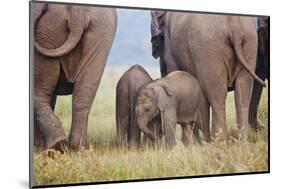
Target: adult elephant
x,y
262,69
158,45
72,44
220,51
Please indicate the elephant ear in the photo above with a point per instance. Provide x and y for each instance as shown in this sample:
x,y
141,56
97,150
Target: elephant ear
x,y
166,102
163,97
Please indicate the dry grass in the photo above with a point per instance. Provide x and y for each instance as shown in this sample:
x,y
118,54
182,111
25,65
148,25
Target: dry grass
x,y
103,161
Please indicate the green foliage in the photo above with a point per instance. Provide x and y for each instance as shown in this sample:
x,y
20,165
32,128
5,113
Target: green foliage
x,y
103,161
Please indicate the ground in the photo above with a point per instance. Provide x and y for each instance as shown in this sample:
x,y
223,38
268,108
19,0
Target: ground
x,y
103,161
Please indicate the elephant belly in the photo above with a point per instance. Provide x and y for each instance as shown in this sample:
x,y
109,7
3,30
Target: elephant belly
x,y
186,117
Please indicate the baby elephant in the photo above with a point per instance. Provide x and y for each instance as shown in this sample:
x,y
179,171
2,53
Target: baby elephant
x,y
126,90
175,98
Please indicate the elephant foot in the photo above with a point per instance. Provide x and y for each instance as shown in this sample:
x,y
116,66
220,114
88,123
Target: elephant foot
x,y
243,134
221,135
57,141
75,145
121,144
195,142
38,139
134,143
147,141
170,145
61,146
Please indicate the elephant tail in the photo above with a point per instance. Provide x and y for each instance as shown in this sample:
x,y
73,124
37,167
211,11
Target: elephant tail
x,y
239,53
38,10
76,29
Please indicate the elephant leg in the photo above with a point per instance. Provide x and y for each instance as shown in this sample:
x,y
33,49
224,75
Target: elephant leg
x,y
203,119
122,130
255,100
243,89
219,123
211,73
47,123
145,139
170,132
217,101
122,118
84,92
187,133
163,66
53,101
217,91
196,133
242,94
254,104
50,127
81,104
38,137
135,133
158,129
38,140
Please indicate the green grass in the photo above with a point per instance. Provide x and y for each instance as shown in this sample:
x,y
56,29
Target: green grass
x,y
103,161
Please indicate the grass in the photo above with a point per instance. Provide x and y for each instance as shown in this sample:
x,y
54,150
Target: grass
x,y
103,161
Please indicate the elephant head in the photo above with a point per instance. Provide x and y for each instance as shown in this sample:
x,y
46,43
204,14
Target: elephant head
x,y
151,101
63,15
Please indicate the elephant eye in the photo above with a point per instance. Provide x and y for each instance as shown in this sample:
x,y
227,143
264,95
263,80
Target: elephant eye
x,y
146,109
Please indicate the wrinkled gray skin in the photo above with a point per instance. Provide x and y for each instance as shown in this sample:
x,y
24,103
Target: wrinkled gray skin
x,y
262,70
72,44
175,98
220,51
127,130
158,44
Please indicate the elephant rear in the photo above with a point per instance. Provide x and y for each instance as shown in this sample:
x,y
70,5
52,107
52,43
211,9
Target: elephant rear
x,y
71,46
127,86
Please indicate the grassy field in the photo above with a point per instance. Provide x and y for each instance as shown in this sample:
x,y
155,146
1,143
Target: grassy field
x,y
103,161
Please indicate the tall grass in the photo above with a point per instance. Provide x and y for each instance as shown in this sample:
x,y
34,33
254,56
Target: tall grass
x,y
103,161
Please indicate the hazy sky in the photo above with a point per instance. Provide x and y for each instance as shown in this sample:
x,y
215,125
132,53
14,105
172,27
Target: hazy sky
x,y
132,40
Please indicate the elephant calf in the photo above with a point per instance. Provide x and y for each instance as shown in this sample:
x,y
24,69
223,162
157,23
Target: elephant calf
x,y
174,98
128,84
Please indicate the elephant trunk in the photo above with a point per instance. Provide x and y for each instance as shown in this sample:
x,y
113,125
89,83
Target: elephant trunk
x,y
143,127
76,29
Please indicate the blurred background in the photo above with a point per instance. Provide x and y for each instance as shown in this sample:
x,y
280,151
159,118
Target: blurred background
x,y
132,41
